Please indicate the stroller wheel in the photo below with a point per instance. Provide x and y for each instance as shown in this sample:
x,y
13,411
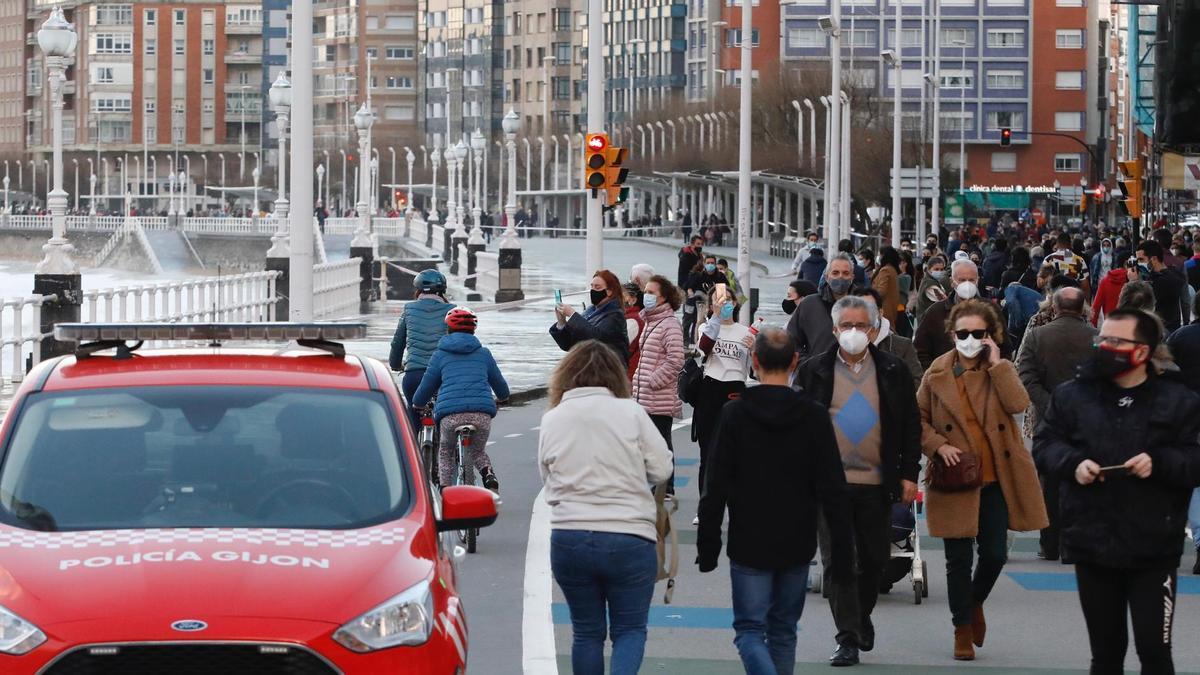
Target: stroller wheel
x,y
918,592
925,580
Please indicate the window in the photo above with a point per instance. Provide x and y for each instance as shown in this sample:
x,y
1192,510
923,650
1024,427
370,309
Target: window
x,y
114,15
399,112
151,47
911,37
150,106
112,131
859,37
1005,37
805,38
733,37
104,75
1068,79
1068,3
1004,161
372,53
562,19
180,15
407,22
957,37
114,43
957,79
1000,119
208,18
151,17
1067,162
394,53
562,52
121,103
179,45
1068,38
958,121
210,45
435,19
208,76
1068,121
399,82
1005,79
372,23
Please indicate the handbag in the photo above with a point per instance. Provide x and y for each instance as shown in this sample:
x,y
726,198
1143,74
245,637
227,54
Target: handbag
x,y
689,380
962,477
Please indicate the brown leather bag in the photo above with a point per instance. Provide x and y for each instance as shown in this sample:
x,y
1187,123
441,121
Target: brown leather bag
x,y
964,476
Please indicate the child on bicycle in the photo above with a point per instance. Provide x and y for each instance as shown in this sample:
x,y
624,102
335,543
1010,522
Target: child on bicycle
x,y
421,325
464,375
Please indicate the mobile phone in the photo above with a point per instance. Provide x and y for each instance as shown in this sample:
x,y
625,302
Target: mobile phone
x,y
558,296
719,293
1114,467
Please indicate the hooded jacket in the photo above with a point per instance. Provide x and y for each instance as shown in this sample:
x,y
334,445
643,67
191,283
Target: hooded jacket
x,y
775,463
1108,293
464,375
1122,521
813,267
655,381
688,257
422,324
604,322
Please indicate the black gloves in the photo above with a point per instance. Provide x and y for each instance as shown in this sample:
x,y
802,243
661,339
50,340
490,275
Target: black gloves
x,y
706,563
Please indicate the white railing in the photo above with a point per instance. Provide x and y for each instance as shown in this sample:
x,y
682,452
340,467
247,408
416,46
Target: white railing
x,y
319,255
388,227
218,225
140,236
132,227
335,287
20,333
487,273
418,230
239,297
29,222
341,225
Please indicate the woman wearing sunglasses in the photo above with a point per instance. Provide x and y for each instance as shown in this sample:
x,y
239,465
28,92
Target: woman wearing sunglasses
x,y
968,399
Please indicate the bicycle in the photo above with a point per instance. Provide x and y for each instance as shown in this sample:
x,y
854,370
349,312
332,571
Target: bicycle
x,y
428,441
465,475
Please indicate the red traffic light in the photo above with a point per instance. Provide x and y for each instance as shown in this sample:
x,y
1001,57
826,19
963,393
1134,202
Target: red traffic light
x,y
597,142
1005,136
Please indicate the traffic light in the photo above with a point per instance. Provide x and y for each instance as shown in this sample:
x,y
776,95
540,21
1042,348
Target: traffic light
x,y
399,200
1006,136
594,175
616,174
1131,185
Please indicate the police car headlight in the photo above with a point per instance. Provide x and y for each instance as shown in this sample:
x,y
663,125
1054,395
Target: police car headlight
x,y
18,636
406,619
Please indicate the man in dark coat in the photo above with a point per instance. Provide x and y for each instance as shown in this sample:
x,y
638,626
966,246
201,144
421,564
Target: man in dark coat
x,y
810,325
1122,441
688,257
871,399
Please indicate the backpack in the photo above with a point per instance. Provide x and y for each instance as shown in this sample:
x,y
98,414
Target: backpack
x,y
668,560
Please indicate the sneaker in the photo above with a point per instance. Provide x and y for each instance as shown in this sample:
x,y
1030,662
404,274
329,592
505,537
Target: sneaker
x,y
490,481
696,520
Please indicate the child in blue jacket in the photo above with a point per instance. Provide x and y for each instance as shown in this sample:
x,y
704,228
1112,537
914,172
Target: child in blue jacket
x,y
463,374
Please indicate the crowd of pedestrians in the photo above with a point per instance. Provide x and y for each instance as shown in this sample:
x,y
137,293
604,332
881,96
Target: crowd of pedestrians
x,y
1015,378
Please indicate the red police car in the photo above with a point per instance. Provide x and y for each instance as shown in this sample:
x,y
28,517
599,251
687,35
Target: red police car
x,y
217,510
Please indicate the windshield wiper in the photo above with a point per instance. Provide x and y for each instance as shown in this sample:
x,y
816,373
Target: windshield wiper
x,y
34,516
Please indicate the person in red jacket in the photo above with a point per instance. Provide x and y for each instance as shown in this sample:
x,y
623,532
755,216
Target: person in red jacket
x,y
1109,291
634,323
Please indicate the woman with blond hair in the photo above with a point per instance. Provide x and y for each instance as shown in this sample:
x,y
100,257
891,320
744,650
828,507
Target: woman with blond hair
x,y
598,454
968,400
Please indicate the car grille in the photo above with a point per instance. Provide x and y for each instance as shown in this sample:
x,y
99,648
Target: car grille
x,y
191,659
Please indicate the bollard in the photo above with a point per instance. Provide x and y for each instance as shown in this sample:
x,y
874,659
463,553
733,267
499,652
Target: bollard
x,y
448,247
66,308
366,286
282,286
473,263
457,245
510,275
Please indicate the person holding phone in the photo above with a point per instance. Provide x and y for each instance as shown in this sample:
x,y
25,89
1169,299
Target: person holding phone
x,y
1122,442
968,401
603,321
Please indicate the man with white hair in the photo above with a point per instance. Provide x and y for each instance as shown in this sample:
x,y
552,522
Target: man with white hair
x,y
932,340
640,274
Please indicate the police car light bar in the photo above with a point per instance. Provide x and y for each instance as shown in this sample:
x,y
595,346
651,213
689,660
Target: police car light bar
x,y
213,332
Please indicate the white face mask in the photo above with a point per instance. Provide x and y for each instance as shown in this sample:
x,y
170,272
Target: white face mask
x,y
966,290
853,341
970,347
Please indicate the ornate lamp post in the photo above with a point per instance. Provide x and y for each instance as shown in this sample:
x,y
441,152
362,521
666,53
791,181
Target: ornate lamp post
x,y
363,119
57,38
171,211
478,143
280,96
435,158
511,125
320,181
460,156
410,158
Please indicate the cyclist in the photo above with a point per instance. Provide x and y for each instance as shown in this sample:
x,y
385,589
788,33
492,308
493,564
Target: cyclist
x,y
421,326
464,375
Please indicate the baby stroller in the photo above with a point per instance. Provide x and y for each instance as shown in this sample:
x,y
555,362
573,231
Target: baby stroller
x,y
905,557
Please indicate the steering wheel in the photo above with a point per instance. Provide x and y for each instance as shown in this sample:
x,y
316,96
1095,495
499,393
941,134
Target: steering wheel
x,y
343,501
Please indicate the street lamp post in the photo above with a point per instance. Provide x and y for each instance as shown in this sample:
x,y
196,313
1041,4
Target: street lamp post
x,y
57,274
892,58
76,161
460,156
510,244
410,158
812,136
320,182
799,132
435,159
831,26
242,115
392,151
744,140
363,119
281,99
478,143
220,156
342,197
324,196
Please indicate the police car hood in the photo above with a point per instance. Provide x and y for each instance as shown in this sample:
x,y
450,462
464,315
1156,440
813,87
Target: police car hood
x,y
206,574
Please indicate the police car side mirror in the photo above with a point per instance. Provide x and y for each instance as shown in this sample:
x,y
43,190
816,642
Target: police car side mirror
x,y
467,506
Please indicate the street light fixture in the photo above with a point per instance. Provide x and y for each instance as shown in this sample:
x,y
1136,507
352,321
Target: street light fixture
x,y
892,60
478,143
57,39
460,156
511,124
280,95
363,119
410,158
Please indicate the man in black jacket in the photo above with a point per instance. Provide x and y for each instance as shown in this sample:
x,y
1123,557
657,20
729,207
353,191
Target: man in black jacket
x,y
775,465
1185,347
1122,442
1168,283
810,325
873,405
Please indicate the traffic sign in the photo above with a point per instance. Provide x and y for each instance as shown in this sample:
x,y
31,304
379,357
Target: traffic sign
x,y
1039,216
597,142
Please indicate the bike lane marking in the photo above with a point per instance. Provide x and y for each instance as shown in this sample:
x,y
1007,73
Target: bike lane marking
x,y
538,653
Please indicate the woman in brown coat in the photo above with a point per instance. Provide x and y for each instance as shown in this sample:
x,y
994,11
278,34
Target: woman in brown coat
x,y
968,399
887,282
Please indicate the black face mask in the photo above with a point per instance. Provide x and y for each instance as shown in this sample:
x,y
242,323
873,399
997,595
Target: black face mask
x,y
598,296
1111,363
789,306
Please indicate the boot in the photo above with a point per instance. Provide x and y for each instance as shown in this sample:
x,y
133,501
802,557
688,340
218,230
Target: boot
x,y
978,626
963,650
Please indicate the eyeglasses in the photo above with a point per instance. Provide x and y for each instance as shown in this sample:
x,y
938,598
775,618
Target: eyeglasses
x,y
978,334
864,327
1113,341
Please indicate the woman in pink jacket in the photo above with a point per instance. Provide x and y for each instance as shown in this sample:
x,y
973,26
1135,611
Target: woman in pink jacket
x,y
661,358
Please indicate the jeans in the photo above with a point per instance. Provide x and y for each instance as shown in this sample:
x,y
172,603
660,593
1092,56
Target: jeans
x,y
767,605
664,423
853,602
605,573
408,386
1112,597
1194,517
964,591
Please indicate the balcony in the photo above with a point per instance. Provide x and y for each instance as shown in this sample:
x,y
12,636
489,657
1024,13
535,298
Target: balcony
x,y
244,58
242,27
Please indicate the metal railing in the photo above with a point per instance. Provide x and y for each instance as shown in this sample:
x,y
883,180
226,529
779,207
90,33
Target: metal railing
x,y
265,226
239,297
335,287
131,228
20,333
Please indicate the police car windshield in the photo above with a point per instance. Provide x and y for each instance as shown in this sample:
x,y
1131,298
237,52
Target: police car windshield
x,y
161,457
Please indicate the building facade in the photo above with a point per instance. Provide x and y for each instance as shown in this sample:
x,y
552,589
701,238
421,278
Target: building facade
x,y
645,57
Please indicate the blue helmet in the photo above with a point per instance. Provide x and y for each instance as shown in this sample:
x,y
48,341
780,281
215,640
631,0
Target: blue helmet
x,y
430,281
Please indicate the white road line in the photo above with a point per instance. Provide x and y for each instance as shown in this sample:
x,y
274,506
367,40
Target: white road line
x,y
534,428
512,435
679,425
490,444
538,653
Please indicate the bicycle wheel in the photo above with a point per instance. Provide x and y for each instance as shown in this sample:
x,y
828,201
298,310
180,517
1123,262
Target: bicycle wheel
x,y
466,476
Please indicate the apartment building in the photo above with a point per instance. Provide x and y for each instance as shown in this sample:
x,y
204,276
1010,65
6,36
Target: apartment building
x,y
462,67
12,78
1028,65
645,56
545,55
